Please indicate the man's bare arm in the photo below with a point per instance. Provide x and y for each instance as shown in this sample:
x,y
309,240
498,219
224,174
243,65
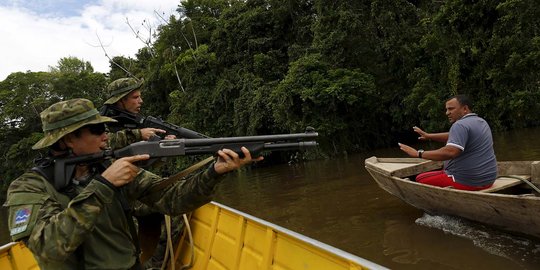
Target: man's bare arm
x,y
438,137
444,153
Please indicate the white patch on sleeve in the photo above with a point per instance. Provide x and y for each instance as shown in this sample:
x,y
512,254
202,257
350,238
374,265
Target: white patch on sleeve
x,y
456,146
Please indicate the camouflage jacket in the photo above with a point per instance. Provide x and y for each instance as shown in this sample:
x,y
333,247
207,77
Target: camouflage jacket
x,y
123,138
91,224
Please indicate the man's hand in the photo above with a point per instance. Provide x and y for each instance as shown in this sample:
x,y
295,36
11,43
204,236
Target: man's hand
x,y
408,150
229,160
423,135
437,137
122,171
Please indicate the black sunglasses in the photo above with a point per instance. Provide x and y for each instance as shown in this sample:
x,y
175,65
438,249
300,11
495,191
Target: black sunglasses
x,y
96,129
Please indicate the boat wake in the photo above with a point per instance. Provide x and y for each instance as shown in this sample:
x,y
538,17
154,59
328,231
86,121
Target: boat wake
x,y
518,249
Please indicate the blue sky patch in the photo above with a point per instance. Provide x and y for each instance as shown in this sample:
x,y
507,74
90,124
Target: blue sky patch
x,y
51,8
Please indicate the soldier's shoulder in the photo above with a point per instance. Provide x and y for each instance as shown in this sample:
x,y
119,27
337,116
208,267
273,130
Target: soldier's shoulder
x,y
28,182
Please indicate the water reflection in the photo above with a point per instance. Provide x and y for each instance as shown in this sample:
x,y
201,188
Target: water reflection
x,y
521,251
518,144
421,248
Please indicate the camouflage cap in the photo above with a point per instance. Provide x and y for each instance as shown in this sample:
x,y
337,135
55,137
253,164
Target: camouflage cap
x,y
65,117
121,87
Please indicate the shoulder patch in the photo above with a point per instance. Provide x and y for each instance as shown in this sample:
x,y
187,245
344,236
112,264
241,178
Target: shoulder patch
x,y
21,219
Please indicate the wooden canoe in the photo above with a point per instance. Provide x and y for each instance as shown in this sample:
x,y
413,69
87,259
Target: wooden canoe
x,y
511,204
225,238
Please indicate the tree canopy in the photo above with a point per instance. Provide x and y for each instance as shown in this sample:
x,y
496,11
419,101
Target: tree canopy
x,y
362,73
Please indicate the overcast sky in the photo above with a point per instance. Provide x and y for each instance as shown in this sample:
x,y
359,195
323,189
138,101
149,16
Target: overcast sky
x,y
35,34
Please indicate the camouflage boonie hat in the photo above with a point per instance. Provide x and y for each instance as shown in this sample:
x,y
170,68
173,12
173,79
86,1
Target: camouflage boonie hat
x,y
121,87
65,117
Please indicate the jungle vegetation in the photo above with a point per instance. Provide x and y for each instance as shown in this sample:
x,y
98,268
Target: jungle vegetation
x,y
362,73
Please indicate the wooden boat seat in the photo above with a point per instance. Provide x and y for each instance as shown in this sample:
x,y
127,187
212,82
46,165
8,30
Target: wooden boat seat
x,y
505,182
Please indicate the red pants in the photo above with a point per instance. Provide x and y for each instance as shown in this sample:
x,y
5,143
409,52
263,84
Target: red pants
x,y
441,179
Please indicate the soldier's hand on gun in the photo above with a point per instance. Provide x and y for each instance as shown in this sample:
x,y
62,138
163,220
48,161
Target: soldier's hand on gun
x,y
122,171
228,160
147,133
170,137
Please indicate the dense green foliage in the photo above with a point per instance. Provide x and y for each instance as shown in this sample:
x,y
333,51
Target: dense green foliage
x,y
360,72
24,95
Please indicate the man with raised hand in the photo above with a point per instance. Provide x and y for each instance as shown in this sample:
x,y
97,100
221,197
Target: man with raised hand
x,y
469,157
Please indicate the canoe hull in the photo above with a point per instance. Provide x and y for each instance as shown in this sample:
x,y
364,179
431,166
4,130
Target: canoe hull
x,y
515,213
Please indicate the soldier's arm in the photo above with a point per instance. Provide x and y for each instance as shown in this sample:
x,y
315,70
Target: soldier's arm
x,y
188,194
178,198
52,230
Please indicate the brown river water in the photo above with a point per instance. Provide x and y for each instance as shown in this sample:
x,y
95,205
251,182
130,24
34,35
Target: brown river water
x,y
337,202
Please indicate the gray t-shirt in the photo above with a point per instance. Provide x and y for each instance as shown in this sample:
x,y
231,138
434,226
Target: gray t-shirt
x,y
476,165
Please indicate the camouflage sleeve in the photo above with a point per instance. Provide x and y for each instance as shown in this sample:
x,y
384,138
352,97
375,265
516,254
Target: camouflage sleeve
x,y
180,197
124,138
53,225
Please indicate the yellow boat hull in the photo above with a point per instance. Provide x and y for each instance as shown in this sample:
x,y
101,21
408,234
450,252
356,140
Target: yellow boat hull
x,y
225,238
17,256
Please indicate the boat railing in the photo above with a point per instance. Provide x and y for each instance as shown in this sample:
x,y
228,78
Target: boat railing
x,y
402,167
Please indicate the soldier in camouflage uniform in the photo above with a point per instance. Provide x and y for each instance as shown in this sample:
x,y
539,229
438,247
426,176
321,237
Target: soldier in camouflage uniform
x,y
125,95
86,225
